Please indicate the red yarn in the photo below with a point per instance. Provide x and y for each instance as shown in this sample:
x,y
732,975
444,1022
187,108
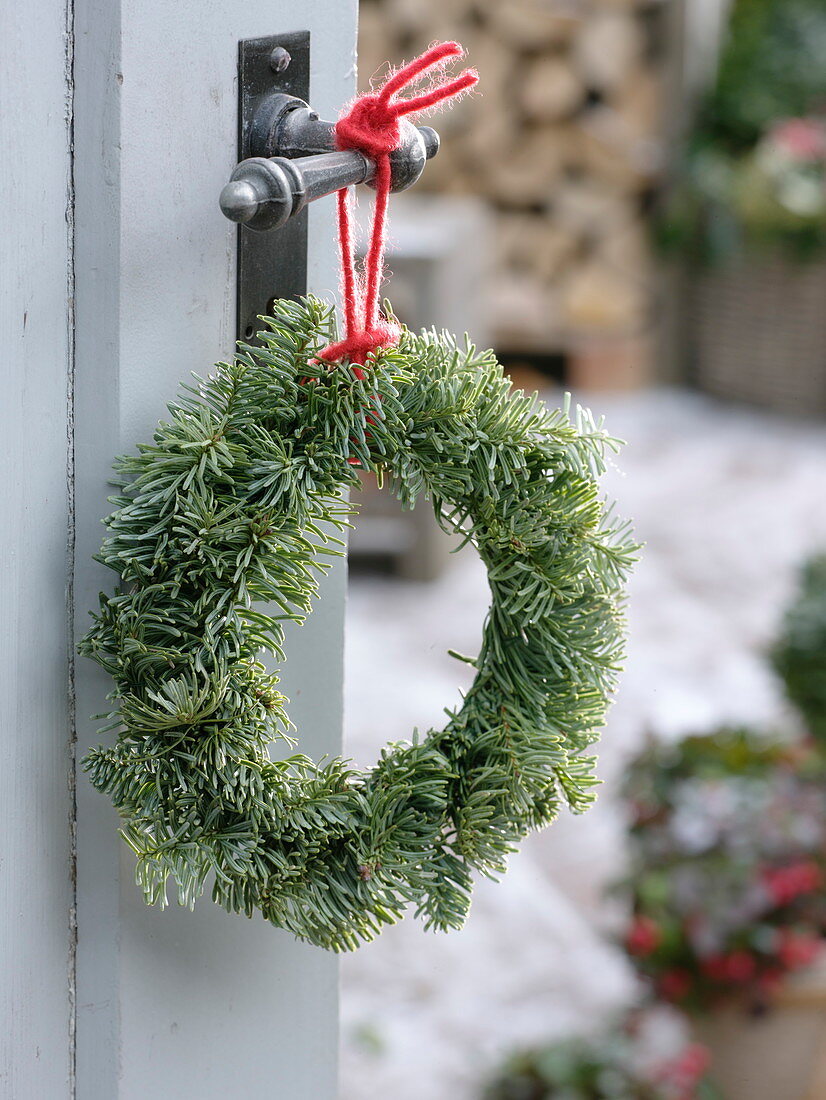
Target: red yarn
x,y
372,127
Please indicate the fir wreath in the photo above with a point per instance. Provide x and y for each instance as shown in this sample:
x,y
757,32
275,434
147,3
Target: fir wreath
x,y
234,506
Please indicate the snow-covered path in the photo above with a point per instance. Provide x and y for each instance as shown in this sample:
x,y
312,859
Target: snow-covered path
x,y
728,502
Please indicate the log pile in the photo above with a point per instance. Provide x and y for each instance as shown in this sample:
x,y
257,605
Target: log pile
x,y
562,142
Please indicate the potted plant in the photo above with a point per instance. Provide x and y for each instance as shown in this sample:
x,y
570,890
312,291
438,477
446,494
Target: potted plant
x,y
749,211
727,868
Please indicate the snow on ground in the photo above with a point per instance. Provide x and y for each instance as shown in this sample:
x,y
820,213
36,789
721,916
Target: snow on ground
x,y
728,501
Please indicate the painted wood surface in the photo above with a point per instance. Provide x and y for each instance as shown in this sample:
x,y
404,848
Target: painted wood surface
x,y
106,304
35,801
173,1003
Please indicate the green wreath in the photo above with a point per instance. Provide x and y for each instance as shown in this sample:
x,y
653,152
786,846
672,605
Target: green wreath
x,y
234,506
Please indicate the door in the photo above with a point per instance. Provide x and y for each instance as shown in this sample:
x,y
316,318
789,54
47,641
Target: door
x,y
118,279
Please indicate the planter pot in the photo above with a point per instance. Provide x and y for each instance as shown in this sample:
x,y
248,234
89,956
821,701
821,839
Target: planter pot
x,y
759,333
778,1056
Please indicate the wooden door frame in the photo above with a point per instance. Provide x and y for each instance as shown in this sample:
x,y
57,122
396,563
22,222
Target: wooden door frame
x,y
118,131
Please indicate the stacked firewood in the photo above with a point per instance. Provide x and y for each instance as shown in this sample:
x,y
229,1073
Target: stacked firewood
x,y
562,141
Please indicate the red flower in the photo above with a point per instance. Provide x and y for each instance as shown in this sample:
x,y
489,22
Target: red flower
x,y
643,936
735,967
675,984
802,138
784,884
685,1071
796,949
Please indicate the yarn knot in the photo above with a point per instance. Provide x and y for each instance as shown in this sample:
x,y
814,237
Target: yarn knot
x,y
358,346
371,125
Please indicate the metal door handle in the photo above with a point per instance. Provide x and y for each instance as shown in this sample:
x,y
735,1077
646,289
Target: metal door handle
x,y
295,162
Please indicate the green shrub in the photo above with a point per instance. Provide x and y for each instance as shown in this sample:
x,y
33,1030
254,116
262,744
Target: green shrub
x,y
754,168
727,843
771,67
615,1065
800,654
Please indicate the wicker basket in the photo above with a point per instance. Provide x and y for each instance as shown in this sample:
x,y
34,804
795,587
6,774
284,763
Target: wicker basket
x,y
759,330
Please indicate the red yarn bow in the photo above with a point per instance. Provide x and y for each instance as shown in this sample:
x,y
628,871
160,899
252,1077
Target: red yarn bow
x,y
371,126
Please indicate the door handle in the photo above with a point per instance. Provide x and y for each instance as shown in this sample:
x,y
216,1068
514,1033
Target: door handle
x,y
295,161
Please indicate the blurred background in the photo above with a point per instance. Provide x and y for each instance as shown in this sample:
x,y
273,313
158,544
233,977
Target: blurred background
x,y
633,208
